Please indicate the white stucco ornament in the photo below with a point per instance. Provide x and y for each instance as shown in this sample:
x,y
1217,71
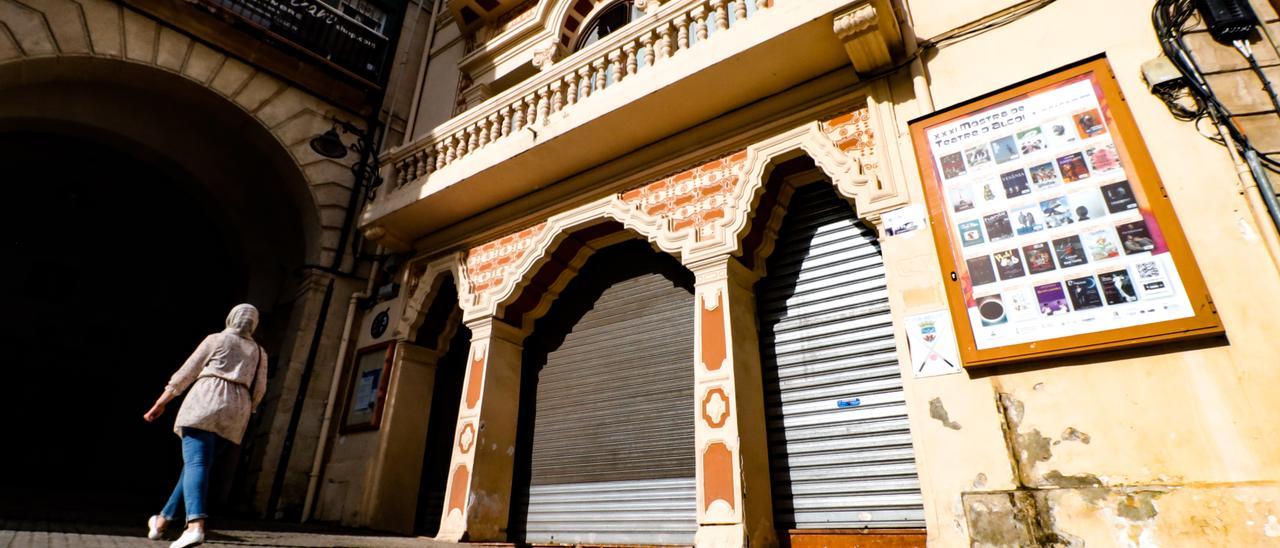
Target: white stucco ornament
x,y
466,438
546,54
716,407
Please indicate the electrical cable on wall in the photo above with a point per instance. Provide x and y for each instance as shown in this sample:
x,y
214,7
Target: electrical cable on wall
x,y
1247,52
1229,22
956,35
1170,17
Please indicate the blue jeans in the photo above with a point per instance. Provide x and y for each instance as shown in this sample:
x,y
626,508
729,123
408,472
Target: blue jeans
x,y
193,483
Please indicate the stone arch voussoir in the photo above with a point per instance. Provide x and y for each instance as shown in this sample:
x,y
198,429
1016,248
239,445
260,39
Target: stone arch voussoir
x,y
36,29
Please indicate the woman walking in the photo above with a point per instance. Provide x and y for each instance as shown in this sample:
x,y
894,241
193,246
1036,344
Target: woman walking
x,y
227,375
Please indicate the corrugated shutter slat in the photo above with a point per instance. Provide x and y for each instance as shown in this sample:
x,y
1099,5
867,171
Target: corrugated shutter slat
x,y
612,453
826,336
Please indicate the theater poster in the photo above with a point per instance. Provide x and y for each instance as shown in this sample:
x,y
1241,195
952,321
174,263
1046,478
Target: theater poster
x,y
1053,231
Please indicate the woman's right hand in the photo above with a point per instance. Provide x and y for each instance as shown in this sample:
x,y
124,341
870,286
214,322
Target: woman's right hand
x,y
158,408
154,413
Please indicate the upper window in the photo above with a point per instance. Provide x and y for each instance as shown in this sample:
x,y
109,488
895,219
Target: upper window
x,y
366,13
610,19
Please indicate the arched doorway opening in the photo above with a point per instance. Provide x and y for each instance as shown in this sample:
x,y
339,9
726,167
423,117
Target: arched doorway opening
x,y
840,449
141,207
443,331
605,445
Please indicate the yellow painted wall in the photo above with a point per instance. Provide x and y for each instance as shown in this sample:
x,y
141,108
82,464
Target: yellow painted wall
x,y
1181,447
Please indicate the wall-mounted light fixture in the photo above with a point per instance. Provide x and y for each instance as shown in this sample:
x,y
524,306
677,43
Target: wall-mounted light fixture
x,y
329,144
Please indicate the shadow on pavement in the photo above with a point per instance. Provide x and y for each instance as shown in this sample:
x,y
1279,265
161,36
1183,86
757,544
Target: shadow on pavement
x,y
120,520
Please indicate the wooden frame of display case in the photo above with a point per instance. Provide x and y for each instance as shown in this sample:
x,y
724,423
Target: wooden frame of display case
x,y
360,367
960,151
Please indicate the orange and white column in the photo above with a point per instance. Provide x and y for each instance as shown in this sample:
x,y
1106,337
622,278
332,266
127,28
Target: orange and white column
x,y
735,506
478,498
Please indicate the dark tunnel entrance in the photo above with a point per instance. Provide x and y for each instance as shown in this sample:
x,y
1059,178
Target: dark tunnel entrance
x,y
115,272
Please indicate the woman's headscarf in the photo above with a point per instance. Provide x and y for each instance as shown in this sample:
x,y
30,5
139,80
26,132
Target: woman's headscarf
x,y
242,320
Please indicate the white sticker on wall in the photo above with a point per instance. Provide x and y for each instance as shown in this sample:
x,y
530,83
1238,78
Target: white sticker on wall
x,y
903,220
932,340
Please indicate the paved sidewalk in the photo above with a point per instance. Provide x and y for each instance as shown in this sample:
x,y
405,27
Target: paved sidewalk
x,y
22,533
39,519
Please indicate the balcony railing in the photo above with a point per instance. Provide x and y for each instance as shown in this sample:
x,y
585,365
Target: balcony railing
x,y
317,28
653,40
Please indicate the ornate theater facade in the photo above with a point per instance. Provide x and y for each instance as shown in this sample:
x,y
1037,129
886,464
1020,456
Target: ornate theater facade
x,y
701,271
726,272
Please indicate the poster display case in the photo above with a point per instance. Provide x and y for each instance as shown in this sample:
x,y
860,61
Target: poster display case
x,y
1053,230
367,388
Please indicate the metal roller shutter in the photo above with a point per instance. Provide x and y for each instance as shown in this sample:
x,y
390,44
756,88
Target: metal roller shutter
x,y
839,446
612,457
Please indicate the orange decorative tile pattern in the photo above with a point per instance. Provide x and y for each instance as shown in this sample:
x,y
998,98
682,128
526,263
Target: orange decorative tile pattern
x,y
692,199
852,133
489,264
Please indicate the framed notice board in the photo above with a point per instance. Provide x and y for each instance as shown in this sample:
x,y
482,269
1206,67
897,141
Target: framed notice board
x,y
367,388
1052,227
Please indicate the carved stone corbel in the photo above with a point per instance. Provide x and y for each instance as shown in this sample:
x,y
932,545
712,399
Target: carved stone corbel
x,y
380,235
870,33
546,54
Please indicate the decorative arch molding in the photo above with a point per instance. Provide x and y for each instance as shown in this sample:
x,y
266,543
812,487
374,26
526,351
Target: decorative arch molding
x,y
497,283
50,39
693,215
423,283
852,179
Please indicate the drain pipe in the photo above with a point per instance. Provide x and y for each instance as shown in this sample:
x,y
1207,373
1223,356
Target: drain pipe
x,y
317,464
911,43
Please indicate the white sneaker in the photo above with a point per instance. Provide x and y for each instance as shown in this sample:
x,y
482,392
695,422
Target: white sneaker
x,y
188,538
154,532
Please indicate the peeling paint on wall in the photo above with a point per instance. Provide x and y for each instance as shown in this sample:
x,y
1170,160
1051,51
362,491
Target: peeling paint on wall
x,y
937,411
1032,447
1013,519
1055,478
1138,506
980,481
1071,434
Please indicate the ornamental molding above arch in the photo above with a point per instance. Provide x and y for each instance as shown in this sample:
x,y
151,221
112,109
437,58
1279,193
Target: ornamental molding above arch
x,y
500,270
423,280
848,173
696,214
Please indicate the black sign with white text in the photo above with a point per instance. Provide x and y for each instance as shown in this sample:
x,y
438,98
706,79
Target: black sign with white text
x,y
318,28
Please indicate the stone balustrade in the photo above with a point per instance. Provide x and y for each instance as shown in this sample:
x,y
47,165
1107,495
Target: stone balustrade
x,y
658,37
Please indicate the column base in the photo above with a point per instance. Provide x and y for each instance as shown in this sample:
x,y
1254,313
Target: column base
x,y
721,536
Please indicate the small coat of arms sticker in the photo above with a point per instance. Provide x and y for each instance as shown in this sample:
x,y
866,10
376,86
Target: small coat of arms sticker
x,y
932,341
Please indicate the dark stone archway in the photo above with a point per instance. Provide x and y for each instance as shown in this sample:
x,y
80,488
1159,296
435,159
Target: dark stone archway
x,y
102,308
140,207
